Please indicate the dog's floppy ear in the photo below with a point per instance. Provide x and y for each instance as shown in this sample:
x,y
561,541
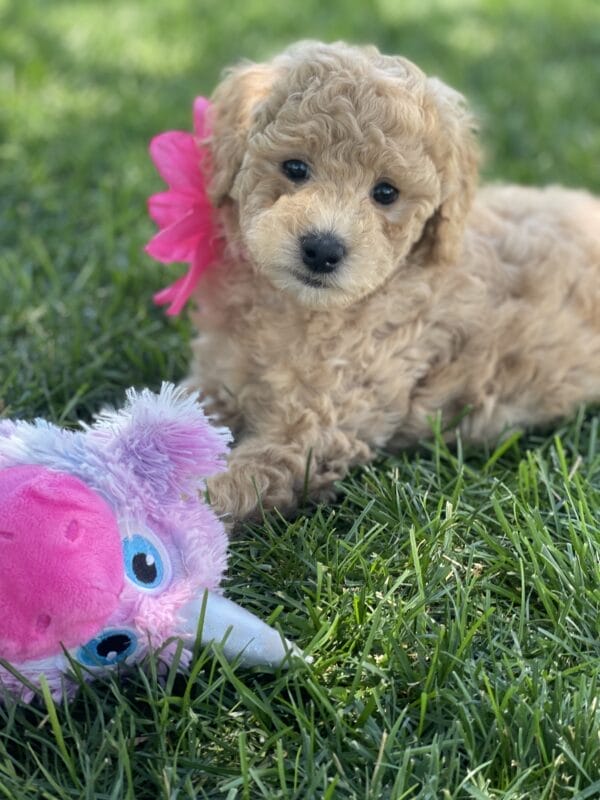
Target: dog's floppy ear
x,y
452,146
456,155
234,102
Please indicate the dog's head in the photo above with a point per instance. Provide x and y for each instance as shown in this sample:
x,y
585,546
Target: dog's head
x,y
339,162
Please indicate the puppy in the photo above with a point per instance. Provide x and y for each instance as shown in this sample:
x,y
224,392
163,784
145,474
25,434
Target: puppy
x,y
368,284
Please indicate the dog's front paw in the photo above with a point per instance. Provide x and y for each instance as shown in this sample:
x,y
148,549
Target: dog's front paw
x,y
234,496
256,480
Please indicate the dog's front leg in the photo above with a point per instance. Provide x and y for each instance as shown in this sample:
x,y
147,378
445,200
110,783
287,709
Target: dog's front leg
x,y
267,474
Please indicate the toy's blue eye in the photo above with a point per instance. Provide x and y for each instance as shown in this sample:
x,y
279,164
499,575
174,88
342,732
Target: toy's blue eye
x,y
109,648
145,565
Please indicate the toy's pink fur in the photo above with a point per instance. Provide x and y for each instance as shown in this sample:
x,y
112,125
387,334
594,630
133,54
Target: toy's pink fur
x,y
449,298
59,554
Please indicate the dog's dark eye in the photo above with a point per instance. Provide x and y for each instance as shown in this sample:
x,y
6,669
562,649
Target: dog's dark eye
x,y
295,170
384,193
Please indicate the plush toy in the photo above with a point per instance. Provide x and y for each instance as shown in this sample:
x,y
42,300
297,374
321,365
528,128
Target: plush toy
x,y
107,549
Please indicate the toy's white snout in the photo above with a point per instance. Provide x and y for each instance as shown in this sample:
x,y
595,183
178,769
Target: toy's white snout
x,y
241,633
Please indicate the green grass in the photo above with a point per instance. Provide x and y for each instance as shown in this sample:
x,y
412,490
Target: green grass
x,y
451,597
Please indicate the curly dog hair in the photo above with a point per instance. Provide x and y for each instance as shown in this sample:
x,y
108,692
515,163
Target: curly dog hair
x,y
368,285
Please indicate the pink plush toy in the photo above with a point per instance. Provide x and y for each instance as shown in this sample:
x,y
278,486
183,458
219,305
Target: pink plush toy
x,y
106,548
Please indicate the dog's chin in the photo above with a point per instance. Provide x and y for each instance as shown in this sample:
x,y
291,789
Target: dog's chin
x,y
311,280
310,290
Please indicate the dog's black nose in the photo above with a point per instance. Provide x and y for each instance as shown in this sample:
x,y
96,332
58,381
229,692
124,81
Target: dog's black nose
x,y
321,252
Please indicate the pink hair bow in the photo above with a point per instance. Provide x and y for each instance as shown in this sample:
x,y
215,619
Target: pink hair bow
x,y
184,213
